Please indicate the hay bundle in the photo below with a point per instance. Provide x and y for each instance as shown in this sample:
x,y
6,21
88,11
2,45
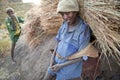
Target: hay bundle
x,y
102,16
33,31
41,21
49,17
104,20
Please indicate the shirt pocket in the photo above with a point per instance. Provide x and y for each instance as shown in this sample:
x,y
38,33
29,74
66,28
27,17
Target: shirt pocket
x,y
75,38
71,49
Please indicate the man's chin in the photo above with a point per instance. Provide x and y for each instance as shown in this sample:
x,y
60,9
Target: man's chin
x,y
69,22
12,15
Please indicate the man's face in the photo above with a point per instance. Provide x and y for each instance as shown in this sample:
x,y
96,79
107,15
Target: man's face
x,y
70,17
10,13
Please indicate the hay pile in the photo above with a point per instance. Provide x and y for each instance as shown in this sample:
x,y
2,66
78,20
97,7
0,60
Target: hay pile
x,y
41,21
33,29
49,17
103,16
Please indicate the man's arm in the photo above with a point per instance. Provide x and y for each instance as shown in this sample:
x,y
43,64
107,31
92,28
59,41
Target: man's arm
x,y
57,67
89,50
21,20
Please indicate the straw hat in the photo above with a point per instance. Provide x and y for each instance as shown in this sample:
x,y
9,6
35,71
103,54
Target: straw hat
x,y
67,6
89,51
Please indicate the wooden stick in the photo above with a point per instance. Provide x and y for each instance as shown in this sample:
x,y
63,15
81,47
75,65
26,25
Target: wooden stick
x,y
53,55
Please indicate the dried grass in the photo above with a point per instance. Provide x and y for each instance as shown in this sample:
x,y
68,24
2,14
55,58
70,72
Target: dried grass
x,y
104,20
102,16
41,21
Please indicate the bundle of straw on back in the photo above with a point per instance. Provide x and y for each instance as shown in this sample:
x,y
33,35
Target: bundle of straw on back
x,y
104,20
49,17
34,32
41,21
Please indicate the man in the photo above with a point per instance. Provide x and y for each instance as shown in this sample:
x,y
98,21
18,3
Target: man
x,y
13,27
72,37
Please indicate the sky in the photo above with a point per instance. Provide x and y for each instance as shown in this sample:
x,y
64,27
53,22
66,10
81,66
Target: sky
x,y
33,1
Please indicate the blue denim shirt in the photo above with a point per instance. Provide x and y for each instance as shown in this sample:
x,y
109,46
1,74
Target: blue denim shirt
x,y
70,42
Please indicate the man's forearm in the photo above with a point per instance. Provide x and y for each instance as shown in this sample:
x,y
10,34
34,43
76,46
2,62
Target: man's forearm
x,y
71,62
57,67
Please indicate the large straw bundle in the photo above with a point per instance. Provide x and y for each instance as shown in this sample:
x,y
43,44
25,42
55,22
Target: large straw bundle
x,y
49,17
41,21
103,16
33,28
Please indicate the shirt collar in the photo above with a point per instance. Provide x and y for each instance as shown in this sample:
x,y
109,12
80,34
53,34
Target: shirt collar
x,y
72,29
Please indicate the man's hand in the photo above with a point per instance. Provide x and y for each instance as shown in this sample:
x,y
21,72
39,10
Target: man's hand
x,y
56,67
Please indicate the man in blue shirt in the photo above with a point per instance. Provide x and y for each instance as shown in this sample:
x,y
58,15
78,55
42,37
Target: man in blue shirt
x,y
72,37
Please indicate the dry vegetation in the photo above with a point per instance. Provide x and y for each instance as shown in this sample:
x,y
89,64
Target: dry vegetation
x,y
41,21
103,16
4,47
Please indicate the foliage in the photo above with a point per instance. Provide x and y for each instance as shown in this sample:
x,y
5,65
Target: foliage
x,y
103,16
